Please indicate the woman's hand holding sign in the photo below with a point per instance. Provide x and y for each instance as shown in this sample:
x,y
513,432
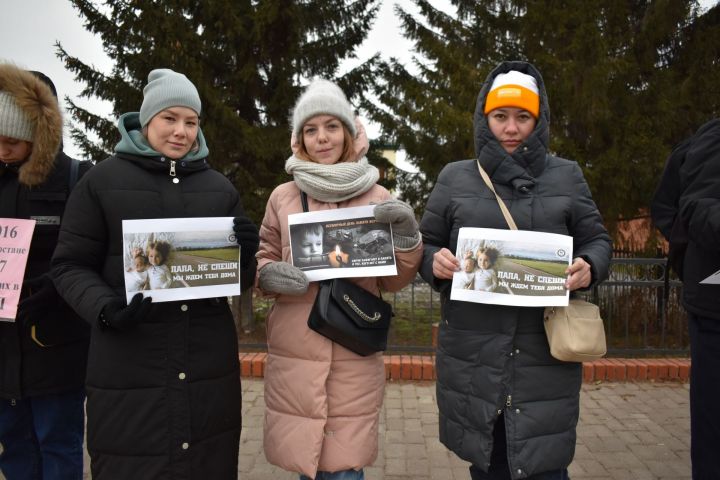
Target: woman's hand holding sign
x,y
445,264
405,230
579,275
283,278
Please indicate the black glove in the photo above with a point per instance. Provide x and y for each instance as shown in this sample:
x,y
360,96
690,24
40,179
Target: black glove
x,y
248,237
42,298
115,315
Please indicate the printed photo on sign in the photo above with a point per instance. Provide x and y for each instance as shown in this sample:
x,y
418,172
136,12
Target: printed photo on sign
x,y
180,259
15,238
511,267
345,242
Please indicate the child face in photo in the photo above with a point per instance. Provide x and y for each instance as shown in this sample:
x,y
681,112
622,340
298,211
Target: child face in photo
x,y
469,265
140,264
484,261
311,244
155,257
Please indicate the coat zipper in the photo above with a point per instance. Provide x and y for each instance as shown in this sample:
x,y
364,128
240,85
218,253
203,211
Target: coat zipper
x,y
175,179
508,401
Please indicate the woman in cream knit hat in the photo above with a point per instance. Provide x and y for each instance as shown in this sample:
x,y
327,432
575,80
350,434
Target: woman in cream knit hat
x,y
322,400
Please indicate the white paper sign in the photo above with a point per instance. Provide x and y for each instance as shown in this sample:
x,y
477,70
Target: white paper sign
x,y
713,279
181,258
512,267
344,242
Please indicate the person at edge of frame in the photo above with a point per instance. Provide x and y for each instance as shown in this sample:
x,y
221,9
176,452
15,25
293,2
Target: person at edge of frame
x,y
43,353
686,209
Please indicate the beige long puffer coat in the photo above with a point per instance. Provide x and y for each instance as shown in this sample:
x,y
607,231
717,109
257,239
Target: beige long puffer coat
x,y
322,400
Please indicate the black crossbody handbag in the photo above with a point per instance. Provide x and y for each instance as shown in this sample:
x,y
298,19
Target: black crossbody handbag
x,y
348,314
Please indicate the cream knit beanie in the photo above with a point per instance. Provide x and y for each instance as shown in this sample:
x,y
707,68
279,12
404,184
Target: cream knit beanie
x,y
322,97
13,121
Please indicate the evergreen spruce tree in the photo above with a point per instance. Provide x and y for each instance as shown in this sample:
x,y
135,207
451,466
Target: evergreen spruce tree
x,y
429,113
249,60
695,72
614,73
607,70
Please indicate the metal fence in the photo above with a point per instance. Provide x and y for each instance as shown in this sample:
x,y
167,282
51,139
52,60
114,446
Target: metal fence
x,y
641,307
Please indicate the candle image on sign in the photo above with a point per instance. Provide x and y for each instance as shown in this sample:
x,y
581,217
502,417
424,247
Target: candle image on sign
x,y
341,243
15,238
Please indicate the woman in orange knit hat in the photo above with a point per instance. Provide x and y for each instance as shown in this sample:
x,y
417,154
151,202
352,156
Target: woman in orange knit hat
x,y
506,405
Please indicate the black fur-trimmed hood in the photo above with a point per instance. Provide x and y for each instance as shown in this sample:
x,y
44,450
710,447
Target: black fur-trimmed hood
x,y
41,107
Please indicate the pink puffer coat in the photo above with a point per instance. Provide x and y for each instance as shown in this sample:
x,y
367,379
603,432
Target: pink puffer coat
x,y
322,400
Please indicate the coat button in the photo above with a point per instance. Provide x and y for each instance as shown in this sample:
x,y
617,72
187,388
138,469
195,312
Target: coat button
x,y
181,376
517,350
517,410
499,412
519,471
185,445
183,307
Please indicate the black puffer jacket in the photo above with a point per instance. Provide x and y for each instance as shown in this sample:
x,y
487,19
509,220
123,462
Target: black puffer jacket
x,y
164,397
495,360
44,352
700,215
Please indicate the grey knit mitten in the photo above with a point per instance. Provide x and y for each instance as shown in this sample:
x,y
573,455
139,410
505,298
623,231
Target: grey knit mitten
x,y
283,278
406,233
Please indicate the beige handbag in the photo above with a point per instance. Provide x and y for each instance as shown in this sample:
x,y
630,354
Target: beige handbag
x,y
575,333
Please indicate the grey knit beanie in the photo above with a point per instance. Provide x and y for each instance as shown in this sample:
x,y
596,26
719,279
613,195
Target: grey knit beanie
x,y
13,121
166,89
322,97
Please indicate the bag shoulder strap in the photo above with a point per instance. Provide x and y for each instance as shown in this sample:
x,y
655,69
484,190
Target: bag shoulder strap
x,y
503,207
303,200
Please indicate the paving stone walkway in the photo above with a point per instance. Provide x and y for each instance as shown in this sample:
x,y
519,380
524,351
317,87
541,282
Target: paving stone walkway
x,y
627,431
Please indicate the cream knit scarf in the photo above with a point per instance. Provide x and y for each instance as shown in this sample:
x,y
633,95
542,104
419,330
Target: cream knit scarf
x,y
332,183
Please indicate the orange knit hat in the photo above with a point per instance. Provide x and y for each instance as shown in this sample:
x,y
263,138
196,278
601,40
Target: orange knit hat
x,y
514,89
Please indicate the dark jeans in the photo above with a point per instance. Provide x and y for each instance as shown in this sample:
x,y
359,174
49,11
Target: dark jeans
x,y
704,394
499,468
42,437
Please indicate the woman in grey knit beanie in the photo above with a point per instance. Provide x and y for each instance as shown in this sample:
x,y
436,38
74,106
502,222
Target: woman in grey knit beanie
x,y
163,380
322,400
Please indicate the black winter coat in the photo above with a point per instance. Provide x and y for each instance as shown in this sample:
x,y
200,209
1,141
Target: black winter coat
x,y
46,352
494,361
699,210
164,397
